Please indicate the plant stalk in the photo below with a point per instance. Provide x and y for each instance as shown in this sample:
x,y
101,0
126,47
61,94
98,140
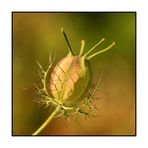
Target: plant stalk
x,y
52,115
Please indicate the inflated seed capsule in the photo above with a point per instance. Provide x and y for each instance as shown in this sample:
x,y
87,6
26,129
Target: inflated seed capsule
x,y
71,75
68,83
69,80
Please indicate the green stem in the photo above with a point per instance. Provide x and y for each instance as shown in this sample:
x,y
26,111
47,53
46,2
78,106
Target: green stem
x,y
47,121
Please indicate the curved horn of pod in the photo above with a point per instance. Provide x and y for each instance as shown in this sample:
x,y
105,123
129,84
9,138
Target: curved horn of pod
x,y
69,81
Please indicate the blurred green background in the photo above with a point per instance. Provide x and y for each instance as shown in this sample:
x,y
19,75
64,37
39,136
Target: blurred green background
x,y
35,35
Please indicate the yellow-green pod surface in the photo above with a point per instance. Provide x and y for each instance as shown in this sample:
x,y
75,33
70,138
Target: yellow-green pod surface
x,y
69,80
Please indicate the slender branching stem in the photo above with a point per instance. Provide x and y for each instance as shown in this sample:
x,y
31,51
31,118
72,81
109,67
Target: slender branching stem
x,y
53,114
45,73
44,80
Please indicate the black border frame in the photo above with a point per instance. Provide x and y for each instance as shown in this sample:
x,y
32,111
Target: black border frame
x,y
135,72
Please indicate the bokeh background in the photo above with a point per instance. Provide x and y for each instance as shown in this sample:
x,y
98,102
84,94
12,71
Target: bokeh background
x,y
35,35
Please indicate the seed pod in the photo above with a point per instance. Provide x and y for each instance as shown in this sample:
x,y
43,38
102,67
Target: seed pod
x,y
71,76
68,83
69,80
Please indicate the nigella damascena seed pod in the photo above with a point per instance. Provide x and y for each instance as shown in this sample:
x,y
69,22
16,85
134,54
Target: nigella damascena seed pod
x,y
70,79
69,82
71,75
